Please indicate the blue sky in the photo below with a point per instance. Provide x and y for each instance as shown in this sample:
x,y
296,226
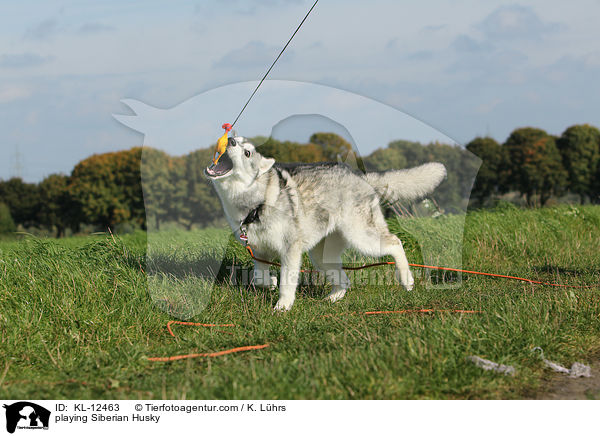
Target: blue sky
x,y
465,68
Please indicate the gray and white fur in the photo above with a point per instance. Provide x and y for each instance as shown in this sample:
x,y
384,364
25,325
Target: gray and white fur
x,y
321,208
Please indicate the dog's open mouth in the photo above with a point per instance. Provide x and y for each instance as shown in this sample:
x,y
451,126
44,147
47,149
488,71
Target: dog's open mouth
x,y
223,166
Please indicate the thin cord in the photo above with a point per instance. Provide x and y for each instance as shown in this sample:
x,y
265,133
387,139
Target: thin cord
x,y
275,61
442,268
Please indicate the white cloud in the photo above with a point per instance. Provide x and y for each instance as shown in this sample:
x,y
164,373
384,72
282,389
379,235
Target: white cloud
x,y
515,22
10,93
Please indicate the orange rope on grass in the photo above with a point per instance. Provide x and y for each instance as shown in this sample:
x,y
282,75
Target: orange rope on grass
x,y
197,324
377,312
442,268
534,282
259,347
215,354
391,312
404,312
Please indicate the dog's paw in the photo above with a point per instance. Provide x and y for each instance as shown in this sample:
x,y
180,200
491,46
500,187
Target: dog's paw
x,y
283,305
406,279
273,283
269,283
336,295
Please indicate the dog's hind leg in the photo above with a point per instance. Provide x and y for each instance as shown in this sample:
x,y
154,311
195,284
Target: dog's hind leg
x,y
393,246
290,273
327,257
372,238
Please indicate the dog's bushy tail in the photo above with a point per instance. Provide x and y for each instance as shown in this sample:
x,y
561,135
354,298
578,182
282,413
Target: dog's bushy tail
x,y
408,184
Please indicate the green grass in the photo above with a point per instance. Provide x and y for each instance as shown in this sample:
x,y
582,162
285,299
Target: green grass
x,y
79,316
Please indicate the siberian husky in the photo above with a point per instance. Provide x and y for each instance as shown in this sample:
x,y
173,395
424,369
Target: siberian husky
x,y
322,208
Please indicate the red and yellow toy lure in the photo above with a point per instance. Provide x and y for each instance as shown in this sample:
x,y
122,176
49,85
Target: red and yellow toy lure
x,y
222,143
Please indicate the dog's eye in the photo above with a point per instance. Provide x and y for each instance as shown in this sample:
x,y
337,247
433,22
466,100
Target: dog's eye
x,y
247,153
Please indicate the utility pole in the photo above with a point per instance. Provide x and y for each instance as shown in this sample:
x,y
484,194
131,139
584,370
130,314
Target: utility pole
x,y
17,164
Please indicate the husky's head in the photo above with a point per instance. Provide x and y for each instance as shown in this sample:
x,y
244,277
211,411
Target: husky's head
x,y
240,161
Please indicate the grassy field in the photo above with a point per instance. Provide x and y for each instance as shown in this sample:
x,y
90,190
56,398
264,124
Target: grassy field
x,y
77,319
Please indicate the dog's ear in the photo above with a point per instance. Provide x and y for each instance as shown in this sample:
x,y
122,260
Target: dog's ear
x,y
265,165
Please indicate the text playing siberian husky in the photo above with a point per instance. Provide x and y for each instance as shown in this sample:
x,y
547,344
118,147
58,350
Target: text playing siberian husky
x,y
322,208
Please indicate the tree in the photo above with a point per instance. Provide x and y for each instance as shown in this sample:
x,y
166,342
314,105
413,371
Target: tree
x,y
7,224
22,199
332,145
288,151
489,178
535,164
158,186
595,188
198,201
385,159
579,147
414,152
321,147
107,188
57,209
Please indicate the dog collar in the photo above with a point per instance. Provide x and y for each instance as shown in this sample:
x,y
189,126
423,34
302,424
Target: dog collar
x,y
252,217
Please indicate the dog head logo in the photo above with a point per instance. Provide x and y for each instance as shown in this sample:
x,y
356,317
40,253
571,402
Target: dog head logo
x,y
26,415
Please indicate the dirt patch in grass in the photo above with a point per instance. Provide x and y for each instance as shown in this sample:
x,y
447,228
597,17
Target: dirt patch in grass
x,y
562,387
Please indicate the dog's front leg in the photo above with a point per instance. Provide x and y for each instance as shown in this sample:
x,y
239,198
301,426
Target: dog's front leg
x,y
263,277
290,273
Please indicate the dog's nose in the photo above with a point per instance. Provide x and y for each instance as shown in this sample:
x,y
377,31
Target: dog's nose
x,y
231,142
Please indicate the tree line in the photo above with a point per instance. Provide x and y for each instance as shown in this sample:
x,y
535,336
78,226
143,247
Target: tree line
x,y
105,190
539,165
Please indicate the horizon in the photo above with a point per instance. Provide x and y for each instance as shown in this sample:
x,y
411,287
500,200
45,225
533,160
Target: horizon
x,y
278,137
211,146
